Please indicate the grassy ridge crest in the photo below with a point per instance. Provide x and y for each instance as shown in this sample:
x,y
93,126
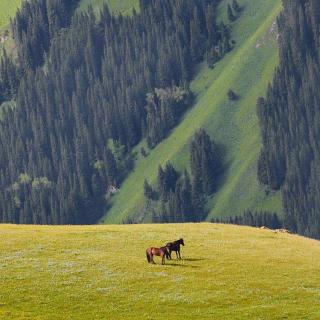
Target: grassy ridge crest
x,y
101,272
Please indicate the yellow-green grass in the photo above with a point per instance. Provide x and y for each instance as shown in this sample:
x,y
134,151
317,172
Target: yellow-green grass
x,y
116,6
100,272
8,9
247,69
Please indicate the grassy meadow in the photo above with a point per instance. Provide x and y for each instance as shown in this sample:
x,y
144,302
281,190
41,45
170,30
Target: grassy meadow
x,y
234,125
100,272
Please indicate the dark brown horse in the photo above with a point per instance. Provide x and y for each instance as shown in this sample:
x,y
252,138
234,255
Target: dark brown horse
x,y
160,252
174,246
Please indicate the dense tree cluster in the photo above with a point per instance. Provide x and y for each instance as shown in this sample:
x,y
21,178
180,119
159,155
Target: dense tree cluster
x,y
204,161
164,108
182,197
91,89
233,10
9,78
36,24
253,219
290,119
224,45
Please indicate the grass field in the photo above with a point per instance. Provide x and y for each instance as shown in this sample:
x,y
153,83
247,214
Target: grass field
x,y
100,272
247,69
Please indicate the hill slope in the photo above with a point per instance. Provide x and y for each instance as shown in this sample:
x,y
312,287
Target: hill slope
x,y
247,69
101,273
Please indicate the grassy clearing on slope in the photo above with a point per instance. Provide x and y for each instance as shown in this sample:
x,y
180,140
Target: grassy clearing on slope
x,y
248,70
100,272
117,6
8,9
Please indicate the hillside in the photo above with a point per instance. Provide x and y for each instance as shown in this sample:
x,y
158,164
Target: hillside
x,y
101,273
233,125
93,96
247,69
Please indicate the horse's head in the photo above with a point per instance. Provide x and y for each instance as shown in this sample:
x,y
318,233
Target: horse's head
x,y
181,241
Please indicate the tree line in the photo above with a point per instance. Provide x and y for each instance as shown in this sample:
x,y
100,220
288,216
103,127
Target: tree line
x,y
253,219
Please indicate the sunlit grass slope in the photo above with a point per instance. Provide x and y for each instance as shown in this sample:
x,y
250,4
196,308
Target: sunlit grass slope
x,y
7,10
100,272
247,69
117,6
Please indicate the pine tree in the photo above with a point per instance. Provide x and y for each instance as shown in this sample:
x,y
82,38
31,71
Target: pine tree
x,y
204,161
231,15
148,191
235,5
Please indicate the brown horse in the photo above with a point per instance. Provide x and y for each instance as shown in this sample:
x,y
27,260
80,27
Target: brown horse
x,y
174,246
160,252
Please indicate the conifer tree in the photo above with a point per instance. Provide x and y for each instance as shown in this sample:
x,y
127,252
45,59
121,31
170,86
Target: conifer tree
x,y
148,191
231,15
235,6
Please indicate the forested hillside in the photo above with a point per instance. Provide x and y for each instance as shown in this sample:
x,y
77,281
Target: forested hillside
x,y
146,112
89,89
231,124
290,119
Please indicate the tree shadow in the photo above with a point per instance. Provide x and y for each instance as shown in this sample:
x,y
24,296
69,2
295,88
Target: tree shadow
x,y
193,259
181,265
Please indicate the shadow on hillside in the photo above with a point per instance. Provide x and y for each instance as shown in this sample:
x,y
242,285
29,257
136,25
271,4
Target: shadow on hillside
x,y
193,259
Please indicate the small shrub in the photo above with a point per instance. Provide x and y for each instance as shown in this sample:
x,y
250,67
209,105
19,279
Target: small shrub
x,y
232,95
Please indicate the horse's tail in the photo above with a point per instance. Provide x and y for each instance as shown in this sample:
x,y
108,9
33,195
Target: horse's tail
x,y
148,256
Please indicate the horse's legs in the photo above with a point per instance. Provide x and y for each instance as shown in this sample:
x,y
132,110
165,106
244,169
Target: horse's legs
x,y
170,254
149,257
164,259
177,254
